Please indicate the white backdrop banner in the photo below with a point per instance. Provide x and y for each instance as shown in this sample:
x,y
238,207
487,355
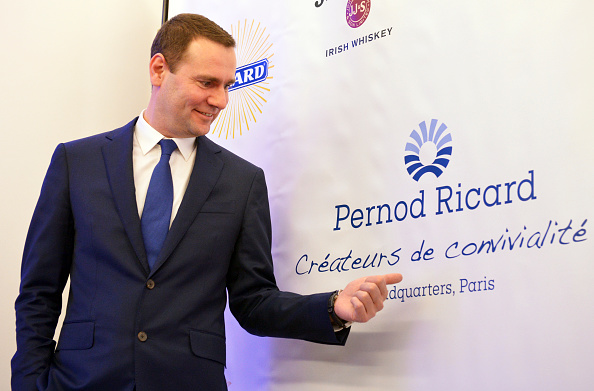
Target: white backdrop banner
x,y
447,141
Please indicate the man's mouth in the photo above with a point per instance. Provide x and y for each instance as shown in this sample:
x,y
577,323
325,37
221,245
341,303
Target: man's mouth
x,y
205,114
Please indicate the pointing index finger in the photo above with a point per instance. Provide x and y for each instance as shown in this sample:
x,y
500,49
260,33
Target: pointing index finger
x,y
393,278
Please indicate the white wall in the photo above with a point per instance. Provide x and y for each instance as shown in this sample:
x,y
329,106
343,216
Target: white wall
x,y
69,69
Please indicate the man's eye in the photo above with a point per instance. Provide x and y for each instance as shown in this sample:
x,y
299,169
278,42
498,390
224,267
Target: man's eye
x,y
206,83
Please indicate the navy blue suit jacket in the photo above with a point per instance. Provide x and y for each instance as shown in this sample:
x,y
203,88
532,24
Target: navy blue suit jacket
x,y
126,325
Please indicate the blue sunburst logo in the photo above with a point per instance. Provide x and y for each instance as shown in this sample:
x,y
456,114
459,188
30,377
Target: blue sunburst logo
x,y
428,150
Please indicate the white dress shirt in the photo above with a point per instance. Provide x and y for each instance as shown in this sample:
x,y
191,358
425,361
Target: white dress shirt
x,y
146,153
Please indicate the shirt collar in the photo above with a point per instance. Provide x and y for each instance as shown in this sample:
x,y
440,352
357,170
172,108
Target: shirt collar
x,y
148,137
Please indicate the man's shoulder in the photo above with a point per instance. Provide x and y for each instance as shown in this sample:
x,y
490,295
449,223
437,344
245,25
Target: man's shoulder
x,y
102,138
225,155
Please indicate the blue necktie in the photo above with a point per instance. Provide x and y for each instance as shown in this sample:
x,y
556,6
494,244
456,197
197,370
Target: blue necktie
x,y
156,214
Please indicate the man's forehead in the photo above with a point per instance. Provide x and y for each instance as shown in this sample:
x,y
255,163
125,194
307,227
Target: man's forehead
x,y
208,57
203,43
203,48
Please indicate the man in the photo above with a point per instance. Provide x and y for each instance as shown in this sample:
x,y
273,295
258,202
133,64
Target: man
x,y
145,313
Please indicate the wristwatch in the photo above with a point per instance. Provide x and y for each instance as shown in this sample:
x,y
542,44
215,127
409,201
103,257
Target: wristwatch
x,y
337,323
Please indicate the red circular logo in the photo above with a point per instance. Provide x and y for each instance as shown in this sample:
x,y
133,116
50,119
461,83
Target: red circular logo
x,y
357,12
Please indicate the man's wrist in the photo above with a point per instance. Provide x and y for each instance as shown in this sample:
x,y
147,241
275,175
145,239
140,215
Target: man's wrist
x,y
337,323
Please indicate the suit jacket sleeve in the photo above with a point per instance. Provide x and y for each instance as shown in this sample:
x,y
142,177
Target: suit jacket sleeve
x,y
44,272
254,298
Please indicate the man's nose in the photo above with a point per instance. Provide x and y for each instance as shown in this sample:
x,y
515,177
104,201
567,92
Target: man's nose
x,y
219,98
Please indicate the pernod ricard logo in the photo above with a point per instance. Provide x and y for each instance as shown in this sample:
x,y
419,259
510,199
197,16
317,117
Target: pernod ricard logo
x,y
252,80
357,12
428,150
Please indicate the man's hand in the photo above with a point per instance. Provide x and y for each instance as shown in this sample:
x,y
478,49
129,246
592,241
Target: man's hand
x,y
364,297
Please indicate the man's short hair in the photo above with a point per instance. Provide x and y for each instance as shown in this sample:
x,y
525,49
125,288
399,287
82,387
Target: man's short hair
x,y
174,37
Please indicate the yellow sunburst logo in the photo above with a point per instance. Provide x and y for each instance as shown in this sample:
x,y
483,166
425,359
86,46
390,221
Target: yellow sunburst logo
x,y
252,80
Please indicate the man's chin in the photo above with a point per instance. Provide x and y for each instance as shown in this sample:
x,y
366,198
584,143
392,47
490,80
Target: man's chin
x,y
198,131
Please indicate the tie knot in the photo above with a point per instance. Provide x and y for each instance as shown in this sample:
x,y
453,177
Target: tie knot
x,y
167,146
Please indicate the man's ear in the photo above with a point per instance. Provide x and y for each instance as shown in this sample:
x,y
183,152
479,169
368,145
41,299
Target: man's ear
x,y
157,68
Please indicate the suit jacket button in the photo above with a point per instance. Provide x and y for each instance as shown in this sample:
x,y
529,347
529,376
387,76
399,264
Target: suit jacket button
x,y
150,284
142,336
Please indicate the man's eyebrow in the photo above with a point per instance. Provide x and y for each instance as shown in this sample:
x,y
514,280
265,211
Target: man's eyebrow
x,y
212,79
205,78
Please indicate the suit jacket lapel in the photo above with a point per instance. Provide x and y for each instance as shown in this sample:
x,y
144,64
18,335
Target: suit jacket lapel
x,y
206,172
117,154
